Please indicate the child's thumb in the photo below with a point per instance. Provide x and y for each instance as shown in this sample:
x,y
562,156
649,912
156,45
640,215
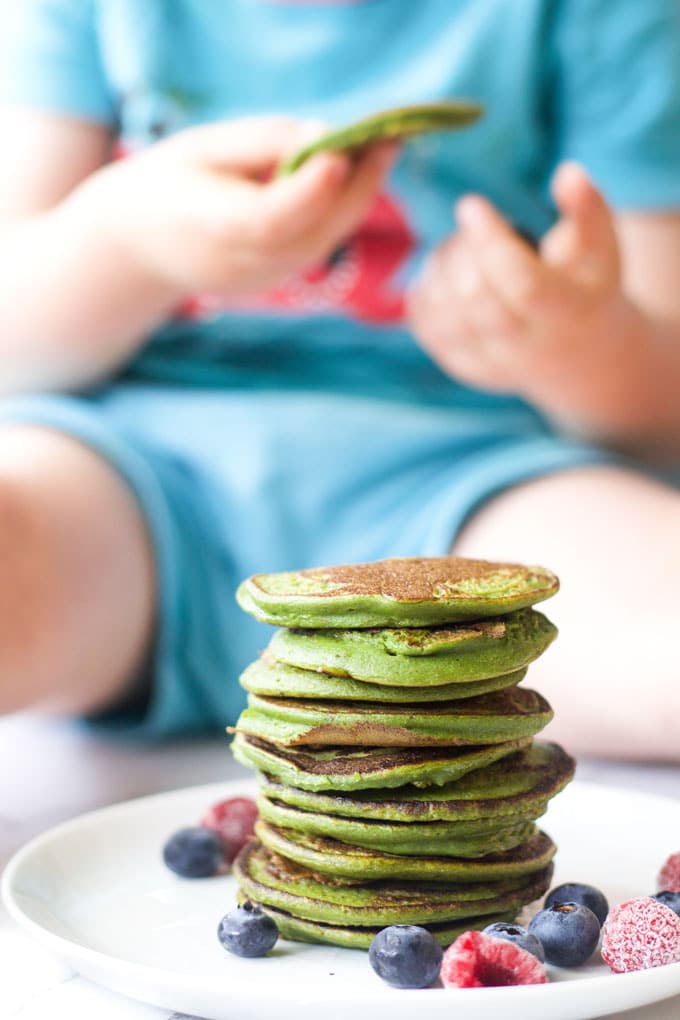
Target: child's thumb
x,y
584,240
245,146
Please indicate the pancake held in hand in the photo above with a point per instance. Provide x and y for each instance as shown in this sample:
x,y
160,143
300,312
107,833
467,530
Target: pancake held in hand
x,y
273,881
413,592
399,124
410,838
351,769
515,788
417,656
488,719
343,860
276,679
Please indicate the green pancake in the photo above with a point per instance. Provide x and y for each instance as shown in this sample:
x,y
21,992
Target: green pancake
x,y
407,592
519,786
276,679
350,769
445,839
342,860
399,124
488,719
424,657
297,930
265,878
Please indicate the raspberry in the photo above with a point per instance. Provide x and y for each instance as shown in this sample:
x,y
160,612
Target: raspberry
x,y
669,876
669,899
476,960
234,822
516,934
640,934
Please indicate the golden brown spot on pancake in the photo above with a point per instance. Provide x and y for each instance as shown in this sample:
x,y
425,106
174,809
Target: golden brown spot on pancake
x,y
411,579
288,871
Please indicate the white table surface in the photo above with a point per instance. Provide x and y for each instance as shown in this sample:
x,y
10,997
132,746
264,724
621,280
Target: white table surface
x,y
50,772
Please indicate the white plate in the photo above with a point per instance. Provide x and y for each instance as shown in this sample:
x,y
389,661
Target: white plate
x,y
95,891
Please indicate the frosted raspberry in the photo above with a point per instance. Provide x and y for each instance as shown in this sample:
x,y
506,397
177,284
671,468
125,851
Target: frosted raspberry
x,y
476,960
669,876
234,821
640,934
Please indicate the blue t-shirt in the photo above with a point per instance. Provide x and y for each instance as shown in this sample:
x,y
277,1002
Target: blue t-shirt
x,y
592,80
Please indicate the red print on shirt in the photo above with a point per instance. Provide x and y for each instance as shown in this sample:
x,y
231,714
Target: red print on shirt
x,y
358,280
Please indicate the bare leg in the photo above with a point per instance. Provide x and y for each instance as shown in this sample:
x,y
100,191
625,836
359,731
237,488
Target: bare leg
x,y
613,537
77,580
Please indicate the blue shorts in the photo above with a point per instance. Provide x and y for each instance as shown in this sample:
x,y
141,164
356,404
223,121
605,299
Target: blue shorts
x,y
233,483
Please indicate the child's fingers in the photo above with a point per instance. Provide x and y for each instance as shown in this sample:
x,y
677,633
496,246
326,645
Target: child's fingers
x,y
354,201
299,218
460,322
292,221
515,273
306,214
587,240
293,206
561,246
246,146
440,325
493,321
499,338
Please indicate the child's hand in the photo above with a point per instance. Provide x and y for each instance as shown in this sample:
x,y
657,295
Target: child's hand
x,y
497,315
202,212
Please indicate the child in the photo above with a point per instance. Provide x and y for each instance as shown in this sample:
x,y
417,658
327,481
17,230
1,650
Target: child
x,y
210,372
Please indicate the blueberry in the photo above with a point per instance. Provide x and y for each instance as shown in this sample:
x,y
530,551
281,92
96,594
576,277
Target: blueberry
x,y
568,931
577,892
194,853
669,899
405,956
518,936
247,931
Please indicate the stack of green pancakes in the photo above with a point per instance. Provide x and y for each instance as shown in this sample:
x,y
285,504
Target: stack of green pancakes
x,y
400,781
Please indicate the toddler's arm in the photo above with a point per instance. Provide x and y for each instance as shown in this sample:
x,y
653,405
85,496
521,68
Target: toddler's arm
x,y
588,329
93,257
69,306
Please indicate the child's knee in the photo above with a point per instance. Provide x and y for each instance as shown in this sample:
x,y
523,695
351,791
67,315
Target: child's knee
x,y
76,585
